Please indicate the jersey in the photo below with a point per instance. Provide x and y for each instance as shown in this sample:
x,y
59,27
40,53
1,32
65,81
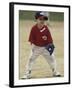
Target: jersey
x,y
40,37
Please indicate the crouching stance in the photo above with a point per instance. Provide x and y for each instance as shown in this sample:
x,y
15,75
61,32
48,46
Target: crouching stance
x,y
42,44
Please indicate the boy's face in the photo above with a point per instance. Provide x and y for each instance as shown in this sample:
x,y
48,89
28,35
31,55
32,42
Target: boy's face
x,y
40,21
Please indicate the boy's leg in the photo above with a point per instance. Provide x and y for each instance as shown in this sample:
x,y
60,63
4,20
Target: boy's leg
x,y
33,56
51,61
30,64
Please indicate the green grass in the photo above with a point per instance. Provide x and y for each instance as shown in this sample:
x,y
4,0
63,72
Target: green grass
x,y
30,15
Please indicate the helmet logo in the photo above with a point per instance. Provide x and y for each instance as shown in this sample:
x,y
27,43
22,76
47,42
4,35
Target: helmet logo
x,y
41,13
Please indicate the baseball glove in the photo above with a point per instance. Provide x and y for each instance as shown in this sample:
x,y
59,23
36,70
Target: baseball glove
x,y
50,48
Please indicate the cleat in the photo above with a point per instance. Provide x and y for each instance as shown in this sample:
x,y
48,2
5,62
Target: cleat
x,y
27,75
56,74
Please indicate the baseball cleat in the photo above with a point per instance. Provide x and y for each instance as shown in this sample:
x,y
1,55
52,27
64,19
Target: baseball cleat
x,y
57,74
26,77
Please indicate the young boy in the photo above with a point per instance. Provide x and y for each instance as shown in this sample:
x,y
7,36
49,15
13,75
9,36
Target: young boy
x,y
42,44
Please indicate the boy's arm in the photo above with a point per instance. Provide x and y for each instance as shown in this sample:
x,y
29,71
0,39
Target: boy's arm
x,y
31,37
50,47
49,37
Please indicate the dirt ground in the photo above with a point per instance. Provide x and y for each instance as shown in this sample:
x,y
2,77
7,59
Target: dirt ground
x,y
41,68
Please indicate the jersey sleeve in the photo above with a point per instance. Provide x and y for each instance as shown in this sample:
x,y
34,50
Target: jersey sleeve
x,y
50,40
31,37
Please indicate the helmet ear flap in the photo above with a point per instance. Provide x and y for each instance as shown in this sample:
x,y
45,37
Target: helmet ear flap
x,y
37,14
36,17
46,18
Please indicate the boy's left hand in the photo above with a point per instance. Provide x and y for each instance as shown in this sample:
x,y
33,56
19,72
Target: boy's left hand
x,y
50,47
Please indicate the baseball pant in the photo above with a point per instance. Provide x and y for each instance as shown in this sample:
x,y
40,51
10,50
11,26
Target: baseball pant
x,y
36,51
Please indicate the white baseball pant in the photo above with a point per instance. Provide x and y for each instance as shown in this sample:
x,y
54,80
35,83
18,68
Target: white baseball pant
x,y
36,51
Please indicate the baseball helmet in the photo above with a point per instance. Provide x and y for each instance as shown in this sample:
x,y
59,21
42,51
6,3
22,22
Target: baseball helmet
x,y
42,14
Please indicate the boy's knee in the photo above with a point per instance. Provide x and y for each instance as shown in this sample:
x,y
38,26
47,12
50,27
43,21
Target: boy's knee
x,y
31,59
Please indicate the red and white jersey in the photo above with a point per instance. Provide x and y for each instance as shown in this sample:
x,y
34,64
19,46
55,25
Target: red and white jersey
x,y
40,37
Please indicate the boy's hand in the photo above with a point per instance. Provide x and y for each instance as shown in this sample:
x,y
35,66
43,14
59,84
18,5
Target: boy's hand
x,y
50,48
